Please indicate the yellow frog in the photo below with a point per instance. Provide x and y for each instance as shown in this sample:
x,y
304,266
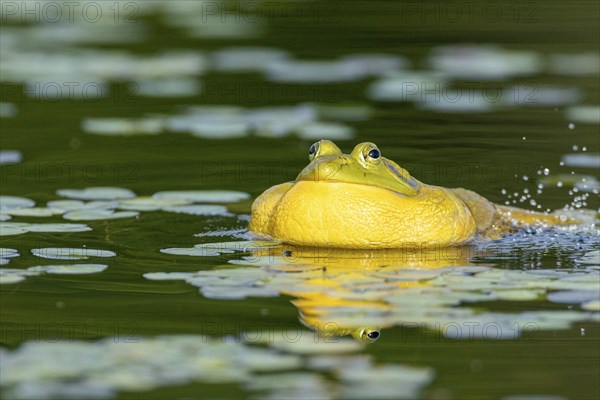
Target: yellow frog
x,y
363,200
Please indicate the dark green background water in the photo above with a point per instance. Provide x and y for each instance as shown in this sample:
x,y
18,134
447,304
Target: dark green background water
x,y
444,149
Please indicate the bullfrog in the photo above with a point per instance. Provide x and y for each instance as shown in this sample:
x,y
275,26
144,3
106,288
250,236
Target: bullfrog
x,y
363,200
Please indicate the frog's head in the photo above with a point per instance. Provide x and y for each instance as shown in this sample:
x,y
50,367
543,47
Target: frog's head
x,y
364,166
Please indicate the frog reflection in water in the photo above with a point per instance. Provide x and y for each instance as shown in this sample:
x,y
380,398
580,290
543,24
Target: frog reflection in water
x,y
366,201
340,292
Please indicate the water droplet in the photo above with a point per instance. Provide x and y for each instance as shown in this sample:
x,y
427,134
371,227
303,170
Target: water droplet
x,y
575,147
571,125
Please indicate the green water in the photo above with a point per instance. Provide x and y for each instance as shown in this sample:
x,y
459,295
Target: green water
x,y
480,151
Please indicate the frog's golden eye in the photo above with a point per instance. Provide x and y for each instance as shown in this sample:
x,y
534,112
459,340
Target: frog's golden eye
x,y
371,154
313,150
370,335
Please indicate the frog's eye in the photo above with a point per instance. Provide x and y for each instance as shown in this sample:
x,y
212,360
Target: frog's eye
x,y
371,154
313,150
374,154
370,335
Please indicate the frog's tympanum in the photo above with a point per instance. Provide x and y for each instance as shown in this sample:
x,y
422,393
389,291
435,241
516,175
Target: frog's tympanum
x,y
363,200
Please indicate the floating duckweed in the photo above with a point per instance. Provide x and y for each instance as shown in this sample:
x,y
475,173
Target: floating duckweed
x,y
290,380
70,269
185,251
251,245
105,367
72,205
122,127
12,228
165,87
8,253
591,258
12,202
32,212
385,296
524,95
314,72
97,193
244,59
574,296
533,397
7,110
406,86
583,114
58,228
98,214
481,62
593,305
9,276
384,382
10,156
151,203
198,209
10,279
204,196
588,160
58,253
168,276
314,344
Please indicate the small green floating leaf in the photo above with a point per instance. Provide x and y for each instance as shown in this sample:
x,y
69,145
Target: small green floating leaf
x,y
585,114
12,228
70,269
97,193
58,253
198,209
10,279
242,246
188,251
167,276
593,305
8,253
204,196
76,205
58,228
10,202
151,203
574,296
32,212
122,126
98,214
591,258
306,342
517,295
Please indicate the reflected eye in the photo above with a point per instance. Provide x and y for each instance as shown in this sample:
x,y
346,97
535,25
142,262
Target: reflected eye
x,y
370,335
374,154
373,335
